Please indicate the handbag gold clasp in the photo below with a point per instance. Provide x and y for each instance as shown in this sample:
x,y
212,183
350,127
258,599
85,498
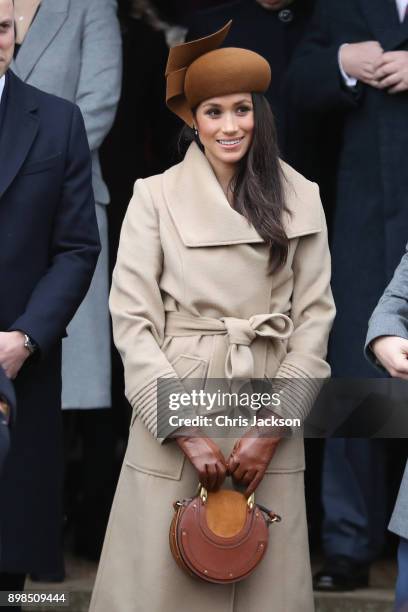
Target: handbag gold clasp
x,y
203,494
204,497
251,501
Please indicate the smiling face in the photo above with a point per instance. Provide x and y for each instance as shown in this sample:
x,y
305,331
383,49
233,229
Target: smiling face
x,y
6,34
225,125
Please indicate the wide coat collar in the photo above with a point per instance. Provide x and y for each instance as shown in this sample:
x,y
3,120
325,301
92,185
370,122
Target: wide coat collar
x,y
203,216
19,129
49,20
382,18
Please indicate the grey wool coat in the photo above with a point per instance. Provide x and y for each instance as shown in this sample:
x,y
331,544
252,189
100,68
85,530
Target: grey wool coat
x,y
73,50
390,318
190,286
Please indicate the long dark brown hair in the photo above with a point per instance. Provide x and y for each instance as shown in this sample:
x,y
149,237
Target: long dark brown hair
x,y
257,187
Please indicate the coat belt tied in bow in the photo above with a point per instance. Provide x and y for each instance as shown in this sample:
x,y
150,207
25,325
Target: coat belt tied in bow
x,y
241,333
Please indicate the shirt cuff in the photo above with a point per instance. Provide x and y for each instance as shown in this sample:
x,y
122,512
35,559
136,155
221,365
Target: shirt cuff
x,y
348,80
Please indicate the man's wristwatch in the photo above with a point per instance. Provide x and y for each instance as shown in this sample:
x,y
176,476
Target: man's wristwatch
x,y
29,344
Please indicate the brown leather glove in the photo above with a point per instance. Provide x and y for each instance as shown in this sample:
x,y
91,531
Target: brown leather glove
x,y
206,458
251,456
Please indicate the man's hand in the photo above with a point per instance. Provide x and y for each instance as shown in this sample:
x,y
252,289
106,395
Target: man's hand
x,y
391,71
392,353
360,60
12,352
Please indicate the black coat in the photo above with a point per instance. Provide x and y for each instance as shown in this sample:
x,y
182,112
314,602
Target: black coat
x,y
272,34
370,226
49,248
142,142
144,134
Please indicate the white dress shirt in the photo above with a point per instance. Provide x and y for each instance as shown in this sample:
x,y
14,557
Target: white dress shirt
x,y
401,6
3,82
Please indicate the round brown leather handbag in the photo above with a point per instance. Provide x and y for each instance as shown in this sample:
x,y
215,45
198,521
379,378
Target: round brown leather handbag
x,y
220,537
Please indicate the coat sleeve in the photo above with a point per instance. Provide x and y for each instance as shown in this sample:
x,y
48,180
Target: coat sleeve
x,y
390,317
138,315
99,82
313,81
398,523
74,246
312,314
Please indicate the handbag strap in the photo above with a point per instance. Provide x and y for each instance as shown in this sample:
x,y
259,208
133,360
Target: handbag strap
x,y
271,517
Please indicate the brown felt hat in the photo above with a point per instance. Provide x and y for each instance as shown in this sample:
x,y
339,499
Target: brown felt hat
x,y
199,70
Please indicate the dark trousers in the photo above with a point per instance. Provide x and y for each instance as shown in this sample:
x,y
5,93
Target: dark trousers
x,y
401,592
11,582
354,498
90,476
4,440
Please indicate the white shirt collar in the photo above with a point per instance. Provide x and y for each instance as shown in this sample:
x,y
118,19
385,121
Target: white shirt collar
x,y
402,7
2,83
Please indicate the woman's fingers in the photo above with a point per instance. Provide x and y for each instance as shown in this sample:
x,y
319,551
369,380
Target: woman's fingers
x,y
245,477
218,480
254,483
222,472
217,473
232,464
239,472
210,476
213,476
248,477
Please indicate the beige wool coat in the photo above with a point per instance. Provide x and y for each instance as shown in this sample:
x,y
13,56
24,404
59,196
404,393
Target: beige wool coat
x,y
189,285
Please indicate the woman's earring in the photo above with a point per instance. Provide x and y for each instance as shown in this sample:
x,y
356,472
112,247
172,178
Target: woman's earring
x,y
197,138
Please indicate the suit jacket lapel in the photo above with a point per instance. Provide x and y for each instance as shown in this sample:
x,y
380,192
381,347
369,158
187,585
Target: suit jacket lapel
x,y
19,128
48,22
382,18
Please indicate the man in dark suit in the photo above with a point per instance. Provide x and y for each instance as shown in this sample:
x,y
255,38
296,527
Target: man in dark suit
x,y
272,28
7,414
353,63
49,248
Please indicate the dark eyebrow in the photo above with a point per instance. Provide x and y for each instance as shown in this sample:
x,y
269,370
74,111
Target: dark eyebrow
x,y
211,104
214,104
243,101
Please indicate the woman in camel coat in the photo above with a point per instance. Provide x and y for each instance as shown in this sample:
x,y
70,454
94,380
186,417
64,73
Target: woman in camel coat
x,y
192,297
